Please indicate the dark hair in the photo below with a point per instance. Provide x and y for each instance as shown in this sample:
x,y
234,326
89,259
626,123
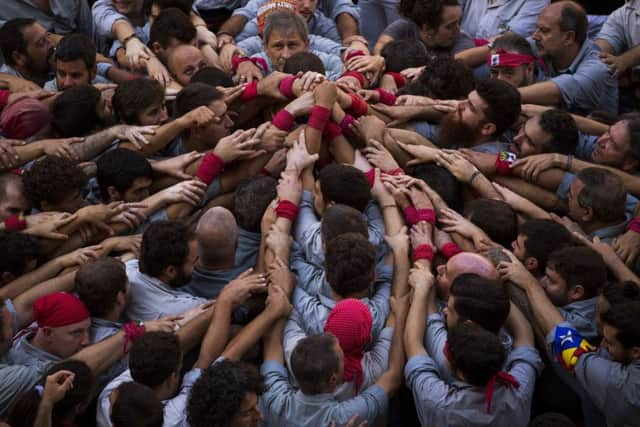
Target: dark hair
x,y
476,352
303,61
563,129
514,42
76,46
217,395
580,266
52,179
154,357
12,39
551,419
134,96
75,111
120,168
98,283
6,179
171,23
313,361
425,13
603,192
213,76
503,103
344,184
402,54
285,21
251,199
543,237
136,405
618,293
340,219
573,18
164,244
494,217
625,318
185,6
632,120
16,250
195,95
442,182
446,78
350,261
480,300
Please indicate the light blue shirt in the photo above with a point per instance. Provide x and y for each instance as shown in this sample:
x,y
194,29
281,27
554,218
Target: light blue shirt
x,y
622,28
318,25
483,19
332,64
104,16
253,45
331,8
67,16
218,4
16,380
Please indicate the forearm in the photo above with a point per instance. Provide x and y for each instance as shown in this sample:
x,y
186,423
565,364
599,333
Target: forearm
x,y
544,93
400,285
122,29
190,335
32,150
29,280
415,326
162,136
24,302
473,57
273,343
217,335
233,25
545,314
621,271
43,416
519,327
631,57
484,187
347,25
95,144
535,194
381,43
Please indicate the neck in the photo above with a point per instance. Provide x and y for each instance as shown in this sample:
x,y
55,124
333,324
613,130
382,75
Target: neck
x,y
114,315
565,59
39,342
162,392
597,225
39,79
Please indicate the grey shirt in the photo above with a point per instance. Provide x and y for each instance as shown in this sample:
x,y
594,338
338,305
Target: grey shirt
x,y
16,379
66,16
24,353
483,19
622,28
404,28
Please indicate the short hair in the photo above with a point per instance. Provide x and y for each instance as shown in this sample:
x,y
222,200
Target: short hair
x,y
251,199
625,318
444,78
503,103
573,18
98,283
164,244
426,13
580,266
494,217
513,42
213,76
12,39
136,405
74,111
476,352
551,419
603,192
172,23
350,262
543,237
131,97
16,250
340,219
346,185
313,361
51,180
185,6
618,293
563,130
119,168
285,22
303,61
217,395
632,121
195,95
480,300
442,182
6,179
76,46
402,54
154,357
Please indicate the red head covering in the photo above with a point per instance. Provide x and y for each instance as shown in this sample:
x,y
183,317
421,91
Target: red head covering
x,y
271,6
23,118
502,58
350,321
59,309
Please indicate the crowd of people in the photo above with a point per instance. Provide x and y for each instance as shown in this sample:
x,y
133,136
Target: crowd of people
x,y
319,213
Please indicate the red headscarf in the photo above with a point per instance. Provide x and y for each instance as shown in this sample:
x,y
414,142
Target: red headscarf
x,y
350,322
23,118
59,309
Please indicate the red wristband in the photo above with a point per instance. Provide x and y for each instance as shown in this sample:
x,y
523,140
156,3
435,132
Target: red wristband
x,y
450,249
423,252
4,98
331,131
286,86
396,172
237,60
283,120
358,106
287,209
634,225
386,97
353,54
371,177
250,92
265,172
15,222
480,42
210,168
319,117
345,124
398,78
410,215
504,161
428,215
356,75
17,171
132,331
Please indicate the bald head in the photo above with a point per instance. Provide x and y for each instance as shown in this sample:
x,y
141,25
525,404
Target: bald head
x,y
217,237
464,262
571,17
183,62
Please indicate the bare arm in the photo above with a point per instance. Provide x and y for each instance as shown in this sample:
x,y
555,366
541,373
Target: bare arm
x,y
543,93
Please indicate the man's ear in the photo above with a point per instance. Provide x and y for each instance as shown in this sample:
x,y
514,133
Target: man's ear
x,y
333,381
587,215
531,263
630,164
155,46
488,129
569,37
114,195
576,293
20,59
170,272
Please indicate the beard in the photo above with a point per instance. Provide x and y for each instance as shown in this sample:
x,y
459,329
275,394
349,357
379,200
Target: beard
x,y
180,280
454,133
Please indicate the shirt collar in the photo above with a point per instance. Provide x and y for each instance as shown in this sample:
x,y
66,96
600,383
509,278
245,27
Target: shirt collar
x,y
582,53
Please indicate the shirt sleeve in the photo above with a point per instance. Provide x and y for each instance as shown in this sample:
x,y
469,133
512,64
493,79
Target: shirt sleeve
x,y
251,45
368,405
375,223
435,339
84,20
311,310
250,10
305,227
333,8
309,276
614,29
376,361
421,375
175,410
525,364
293,333
332,65
104,16
250,30
15,381
279,391
379,303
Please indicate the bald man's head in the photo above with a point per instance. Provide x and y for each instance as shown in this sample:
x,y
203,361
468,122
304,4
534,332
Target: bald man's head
x,y
464,262
184,61
217,238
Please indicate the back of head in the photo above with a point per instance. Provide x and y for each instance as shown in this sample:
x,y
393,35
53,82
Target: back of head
x,y
185,6
503,103
340,219
632,121
11,38
51,180
217,395
314,361
98,283
477,353
494,217
154,357
625,318
164,244
195,95
616,293
350,261
447,78
346,185
513,42
427,14
563,129
442,181
543,236
603,192
75,111
133,96
212,76
136,405
285,22
119,168
172,24
551,419
483,301
16,251
251,199
303,62
580,266
402,54
76,46
574,18
217,236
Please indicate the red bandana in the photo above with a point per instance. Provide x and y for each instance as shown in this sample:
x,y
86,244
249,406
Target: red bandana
x,y
59,309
